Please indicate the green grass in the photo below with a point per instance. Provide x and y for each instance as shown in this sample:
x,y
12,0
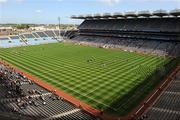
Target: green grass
x,y
110,81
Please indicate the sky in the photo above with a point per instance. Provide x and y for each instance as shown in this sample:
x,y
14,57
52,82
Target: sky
x,y
48,11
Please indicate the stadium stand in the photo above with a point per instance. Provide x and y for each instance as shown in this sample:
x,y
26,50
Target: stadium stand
x,y
45,37
69,34
41,34
16,41
4,42
65,33
40,37
11,41
155,35
50,33
144,46
21,98
35,38
167,105
57,33
30,39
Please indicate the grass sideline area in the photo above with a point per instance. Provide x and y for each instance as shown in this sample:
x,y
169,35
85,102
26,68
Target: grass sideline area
x,y
111,80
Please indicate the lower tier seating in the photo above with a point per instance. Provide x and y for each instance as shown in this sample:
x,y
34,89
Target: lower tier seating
x,y
20,98
167,106
158,47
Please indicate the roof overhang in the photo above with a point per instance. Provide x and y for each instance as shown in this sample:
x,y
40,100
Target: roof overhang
x,y
107,15
175,12
160,13
141,14
117,15
97,16
144,14
78,17
130,14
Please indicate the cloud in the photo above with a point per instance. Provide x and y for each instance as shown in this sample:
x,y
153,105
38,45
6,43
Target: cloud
x,y
3,1
110,2
38,11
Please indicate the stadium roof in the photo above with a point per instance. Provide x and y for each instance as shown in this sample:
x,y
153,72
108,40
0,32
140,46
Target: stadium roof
x,y
160,13
133,14
118,14
175,12
130,14
144,13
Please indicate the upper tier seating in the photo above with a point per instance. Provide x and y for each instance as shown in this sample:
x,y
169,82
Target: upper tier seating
x,y
141,24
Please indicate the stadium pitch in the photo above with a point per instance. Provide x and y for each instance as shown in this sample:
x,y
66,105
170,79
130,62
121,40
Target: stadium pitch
x,y
111,80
